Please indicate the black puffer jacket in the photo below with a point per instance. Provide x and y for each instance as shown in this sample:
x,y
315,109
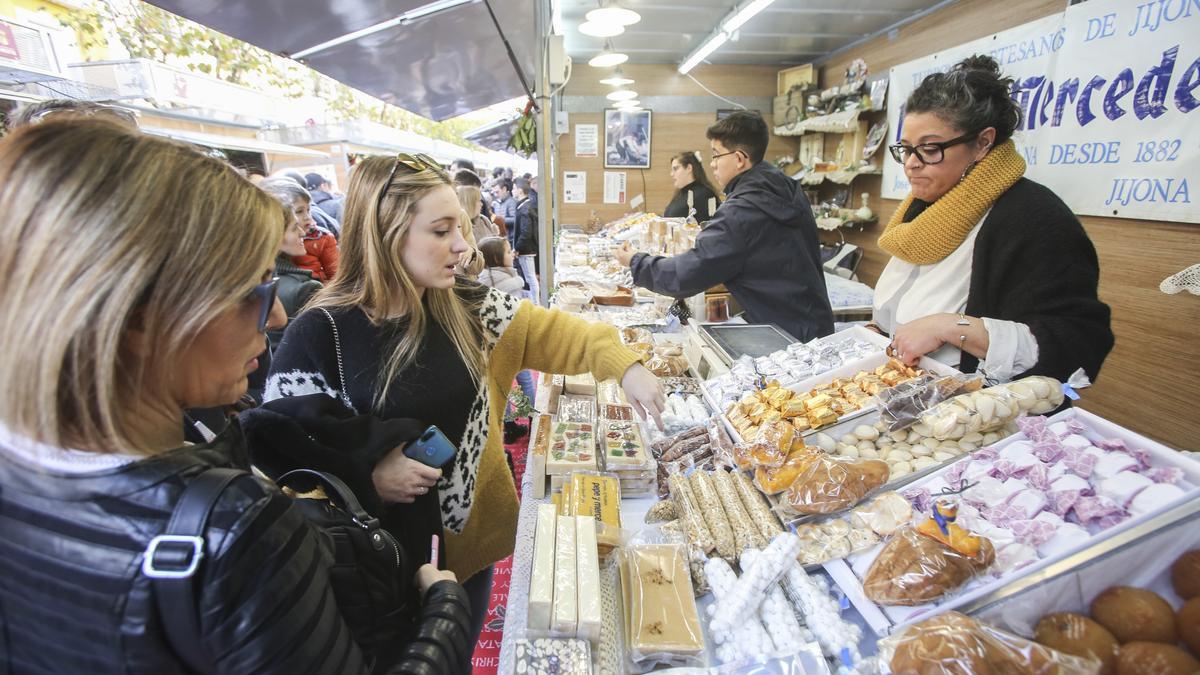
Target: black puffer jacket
x,y
73,598
762,244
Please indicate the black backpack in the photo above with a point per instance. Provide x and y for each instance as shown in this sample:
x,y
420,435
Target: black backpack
x,y
369,574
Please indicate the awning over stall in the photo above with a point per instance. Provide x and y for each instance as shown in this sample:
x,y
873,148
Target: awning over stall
x,y
235,142
447,61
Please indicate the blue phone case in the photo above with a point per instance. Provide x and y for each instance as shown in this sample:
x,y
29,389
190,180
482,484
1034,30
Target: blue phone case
x,y
431,449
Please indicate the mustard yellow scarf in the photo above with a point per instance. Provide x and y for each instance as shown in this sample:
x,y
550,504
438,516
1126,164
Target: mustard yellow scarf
x,y
938,230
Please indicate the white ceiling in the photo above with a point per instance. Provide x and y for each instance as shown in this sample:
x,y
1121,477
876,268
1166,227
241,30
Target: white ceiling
x,y
788,32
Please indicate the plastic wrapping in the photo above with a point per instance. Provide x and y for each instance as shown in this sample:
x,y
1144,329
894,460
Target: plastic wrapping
x,y
956,644
622,444
837,637
563,656
778,555
861,529
662,624
773,480
745,532
990,409
661,511
722,444
587,575
714,514
774,442
901,406
756,507
564,617
914,568
572,447
598,495
541,578
741,641
831,484
775,613
689,512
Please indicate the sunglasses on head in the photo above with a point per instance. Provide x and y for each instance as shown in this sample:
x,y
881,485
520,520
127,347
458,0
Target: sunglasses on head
x,y
265,293
415,163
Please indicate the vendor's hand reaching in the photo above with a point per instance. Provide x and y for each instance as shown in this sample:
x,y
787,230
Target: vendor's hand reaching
x,y
624,253
917,338
428,575
644,392
400,479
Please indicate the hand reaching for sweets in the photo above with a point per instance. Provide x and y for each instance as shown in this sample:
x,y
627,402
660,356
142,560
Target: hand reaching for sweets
x,y
644,392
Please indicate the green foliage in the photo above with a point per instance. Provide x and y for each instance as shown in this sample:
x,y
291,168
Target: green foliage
x,y
145,31
521,405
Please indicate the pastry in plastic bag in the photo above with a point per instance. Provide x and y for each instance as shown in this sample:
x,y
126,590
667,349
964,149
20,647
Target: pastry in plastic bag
x,y
955,644
773,480
915,568
1076,634
830,484
773,444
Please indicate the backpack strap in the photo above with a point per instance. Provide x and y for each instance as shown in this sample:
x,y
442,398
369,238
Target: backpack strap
x,y
173,558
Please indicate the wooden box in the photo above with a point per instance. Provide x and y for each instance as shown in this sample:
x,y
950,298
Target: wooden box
x,y
797,75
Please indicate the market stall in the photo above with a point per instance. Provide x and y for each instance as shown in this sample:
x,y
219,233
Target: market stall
x,y
821,507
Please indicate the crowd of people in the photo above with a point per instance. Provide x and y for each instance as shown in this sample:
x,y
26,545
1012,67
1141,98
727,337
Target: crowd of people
x,y
138,304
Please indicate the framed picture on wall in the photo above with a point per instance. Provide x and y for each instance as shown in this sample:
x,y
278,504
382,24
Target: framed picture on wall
x,y
626,139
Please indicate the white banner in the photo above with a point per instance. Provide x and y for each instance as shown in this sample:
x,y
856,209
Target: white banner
x,y
1109,90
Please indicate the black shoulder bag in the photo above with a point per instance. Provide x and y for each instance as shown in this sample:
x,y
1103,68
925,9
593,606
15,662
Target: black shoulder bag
x,y
366,575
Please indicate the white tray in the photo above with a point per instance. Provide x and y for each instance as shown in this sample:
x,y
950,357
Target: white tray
x,y
884,620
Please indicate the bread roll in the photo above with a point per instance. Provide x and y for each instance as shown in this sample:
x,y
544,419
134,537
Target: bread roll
x,y
1076,634
1188,623
1153,658
1185,575
1135,615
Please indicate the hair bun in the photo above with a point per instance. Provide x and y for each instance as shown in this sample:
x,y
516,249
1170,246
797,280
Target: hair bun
x,y
980,62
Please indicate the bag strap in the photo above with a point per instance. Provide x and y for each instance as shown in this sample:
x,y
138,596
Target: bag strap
x,y
341,492
173,558
337,347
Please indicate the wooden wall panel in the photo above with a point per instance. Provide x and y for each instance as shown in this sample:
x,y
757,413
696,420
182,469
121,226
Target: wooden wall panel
x,y
1149,382
670,133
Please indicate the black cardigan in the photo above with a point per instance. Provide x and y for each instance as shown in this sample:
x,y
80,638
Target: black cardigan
x,y
1033,263
678,208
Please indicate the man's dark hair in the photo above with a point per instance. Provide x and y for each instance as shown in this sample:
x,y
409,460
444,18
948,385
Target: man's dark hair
x,y
467,177
522,183
507,184
464,164
743,130
497,172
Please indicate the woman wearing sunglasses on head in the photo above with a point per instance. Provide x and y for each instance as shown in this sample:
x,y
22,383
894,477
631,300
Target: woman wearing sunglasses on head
x,y
989,269
124,306
405,338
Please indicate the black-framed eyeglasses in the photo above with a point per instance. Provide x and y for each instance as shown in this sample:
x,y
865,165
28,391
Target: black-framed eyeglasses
x,y
928,153
717,156
416,163
264,293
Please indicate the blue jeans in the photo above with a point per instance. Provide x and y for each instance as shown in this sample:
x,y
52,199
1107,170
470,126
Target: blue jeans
x,y
525,380
479,592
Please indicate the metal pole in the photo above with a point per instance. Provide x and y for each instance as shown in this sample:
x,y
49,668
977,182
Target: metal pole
x,y
547,206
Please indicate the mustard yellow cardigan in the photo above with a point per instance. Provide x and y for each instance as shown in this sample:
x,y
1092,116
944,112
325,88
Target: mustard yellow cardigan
x,y
534,338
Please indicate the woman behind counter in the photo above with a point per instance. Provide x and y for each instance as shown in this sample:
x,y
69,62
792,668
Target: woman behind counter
x,y
687,174
989,268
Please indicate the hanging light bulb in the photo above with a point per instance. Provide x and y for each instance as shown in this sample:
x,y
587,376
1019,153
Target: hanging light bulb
x,y
613,15
621,95
608,58
617,79
596,29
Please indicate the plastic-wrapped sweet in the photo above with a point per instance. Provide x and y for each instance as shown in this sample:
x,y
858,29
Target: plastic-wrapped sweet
x,y
1030,502
1154,497
1123,487
775,613
741,641
1114,463
1066,537
1012,557
748,591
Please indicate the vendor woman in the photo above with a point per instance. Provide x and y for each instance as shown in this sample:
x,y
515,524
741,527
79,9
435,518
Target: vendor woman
x,y
989,269
690,181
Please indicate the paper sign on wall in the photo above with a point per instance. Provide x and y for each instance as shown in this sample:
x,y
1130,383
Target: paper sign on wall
x,y
614,187
1111,108
574,187
587,140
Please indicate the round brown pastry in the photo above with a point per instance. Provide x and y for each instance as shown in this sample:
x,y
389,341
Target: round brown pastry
x,y
1185,575
1135,615
947,644
1076,634
1188,623
1153,658
913,569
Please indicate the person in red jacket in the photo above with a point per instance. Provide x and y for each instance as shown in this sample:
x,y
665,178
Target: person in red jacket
x,y
321,250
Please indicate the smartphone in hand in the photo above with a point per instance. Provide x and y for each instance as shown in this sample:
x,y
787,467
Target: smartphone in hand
x,y
431,449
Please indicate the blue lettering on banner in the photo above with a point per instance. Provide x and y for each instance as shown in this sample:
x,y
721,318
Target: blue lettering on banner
x,y
1143,103
1102,27
1029,152
1104,152
1157,151
1151,15
1149,190
1121,85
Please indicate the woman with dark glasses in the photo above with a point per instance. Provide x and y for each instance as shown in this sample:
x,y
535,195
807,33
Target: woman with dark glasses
x,y
397,335
123,305
989,269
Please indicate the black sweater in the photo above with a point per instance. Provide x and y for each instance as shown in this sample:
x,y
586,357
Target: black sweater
x,y
1033,263
678,207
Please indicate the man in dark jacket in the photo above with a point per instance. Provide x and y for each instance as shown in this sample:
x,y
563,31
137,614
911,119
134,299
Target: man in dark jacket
x,y
320,188
526,237
761,243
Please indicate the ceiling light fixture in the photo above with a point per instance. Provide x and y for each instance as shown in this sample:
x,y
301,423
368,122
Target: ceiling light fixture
x,y
608,58
724,30
612,14
595,29
622,95
617,79
628,105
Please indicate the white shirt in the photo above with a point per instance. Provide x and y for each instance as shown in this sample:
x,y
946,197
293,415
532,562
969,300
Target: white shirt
x,y
61,460
907,292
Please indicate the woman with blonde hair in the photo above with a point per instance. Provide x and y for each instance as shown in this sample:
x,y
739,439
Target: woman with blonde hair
x,y
471,199
397,335
123,307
